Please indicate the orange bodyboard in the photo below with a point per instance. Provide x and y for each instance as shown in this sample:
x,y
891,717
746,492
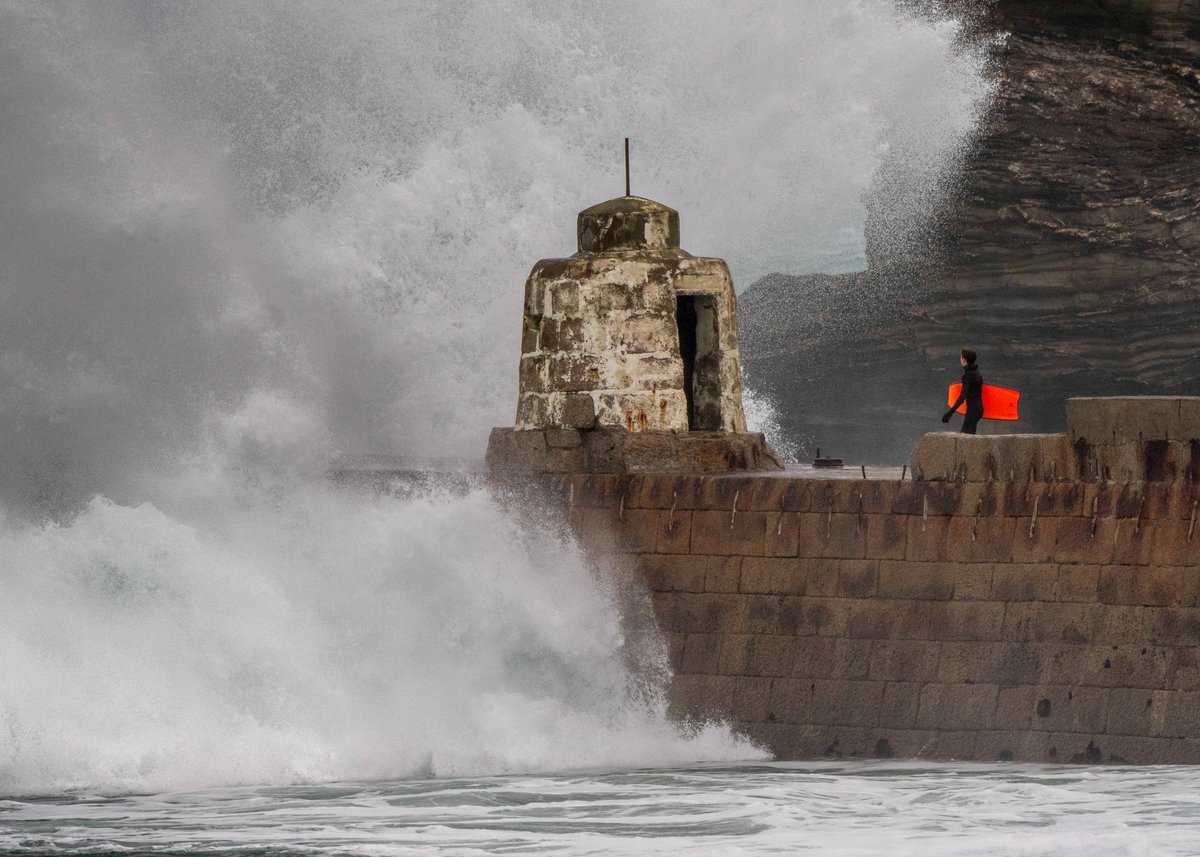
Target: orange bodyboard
x,y
999,403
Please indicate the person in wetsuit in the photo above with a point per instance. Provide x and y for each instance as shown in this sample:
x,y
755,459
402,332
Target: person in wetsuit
x,y
972,393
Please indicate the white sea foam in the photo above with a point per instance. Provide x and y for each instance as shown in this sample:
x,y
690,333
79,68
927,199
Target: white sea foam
x,y
832,809
239,237
326,636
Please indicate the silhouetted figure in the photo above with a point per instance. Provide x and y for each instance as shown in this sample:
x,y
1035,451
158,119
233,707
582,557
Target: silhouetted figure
x,y
971,393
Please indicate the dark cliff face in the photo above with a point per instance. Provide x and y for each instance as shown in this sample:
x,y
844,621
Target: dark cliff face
x,y
1070,258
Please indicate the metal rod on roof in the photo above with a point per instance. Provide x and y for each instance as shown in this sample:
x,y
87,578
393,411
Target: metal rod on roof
x,y
627,166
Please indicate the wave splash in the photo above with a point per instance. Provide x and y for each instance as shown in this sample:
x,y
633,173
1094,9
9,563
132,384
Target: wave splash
x,y
239,238
326,637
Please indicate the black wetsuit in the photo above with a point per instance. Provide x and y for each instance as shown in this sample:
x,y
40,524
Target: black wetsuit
x,y
972,394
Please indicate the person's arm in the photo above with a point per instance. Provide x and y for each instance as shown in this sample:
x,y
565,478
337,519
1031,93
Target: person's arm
x,y
962,397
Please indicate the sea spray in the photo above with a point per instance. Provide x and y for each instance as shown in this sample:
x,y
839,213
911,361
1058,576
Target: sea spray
x,y
329,636
239,239
339,206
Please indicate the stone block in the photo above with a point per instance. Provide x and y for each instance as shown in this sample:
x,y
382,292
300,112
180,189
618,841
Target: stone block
x,y
965,706
1067,664
887,536
1158,587
1175,626
1077,583
1071,709
701,654
935,457
1177,543
702,697
1189,418
1023,581
773,656
824,534
1181,714
980,498
954,744
1133,541
1017,707
1015,746
1020,619
984,540
847,702
762,613
560,438
857,578
912,619
1131,711
709,613
967,620
1066,622
807,616
729,533
791,700
1027,457
722,574
673,573
594,529
772,576
940,498
578,411
877,496
921,580
961,661
1164,460
851,658
1182,668
512,451
904,660
1130,623
1085,540
751,699
926,538
1136,665
1063,499
675,534
638,530
899,705
783,534
1034,540
813,656
1118,462
870,620
978,458
973,581
1122,419
734,658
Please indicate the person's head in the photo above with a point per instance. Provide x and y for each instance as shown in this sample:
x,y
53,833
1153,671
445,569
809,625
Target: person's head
x,y
967,357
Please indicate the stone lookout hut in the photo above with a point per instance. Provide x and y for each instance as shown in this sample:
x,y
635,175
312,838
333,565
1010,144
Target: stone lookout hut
x,y
629,356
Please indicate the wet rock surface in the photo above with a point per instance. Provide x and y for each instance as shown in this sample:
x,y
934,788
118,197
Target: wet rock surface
x,y
1070,260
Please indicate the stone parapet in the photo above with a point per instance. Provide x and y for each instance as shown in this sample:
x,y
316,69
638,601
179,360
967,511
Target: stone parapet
x,y
615,450
1120,439
1119,420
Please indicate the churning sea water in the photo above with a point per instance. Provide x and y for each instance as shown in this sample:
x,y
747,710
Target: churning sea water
x,y
833,809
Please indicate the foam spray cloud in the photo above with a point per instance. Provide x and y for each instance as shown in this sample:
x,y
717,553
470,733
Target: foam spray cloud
x,y
237,238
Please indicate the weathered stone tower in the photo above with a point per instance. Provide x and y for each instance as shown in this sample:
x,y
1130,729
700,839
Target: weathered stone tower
x,y
629,356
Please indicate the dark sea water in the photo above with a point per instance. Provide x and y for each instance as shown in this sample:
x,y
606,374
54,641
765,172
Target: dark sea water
x,y
851,809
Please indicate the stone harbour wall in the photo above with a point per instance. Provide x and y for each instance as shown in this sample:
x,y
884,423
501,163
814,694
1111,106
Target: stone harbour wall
x,y
1046,621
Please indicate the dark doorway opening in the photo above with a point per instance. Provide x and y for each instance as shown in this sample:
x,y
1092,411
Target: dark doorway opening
x,y
699,348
